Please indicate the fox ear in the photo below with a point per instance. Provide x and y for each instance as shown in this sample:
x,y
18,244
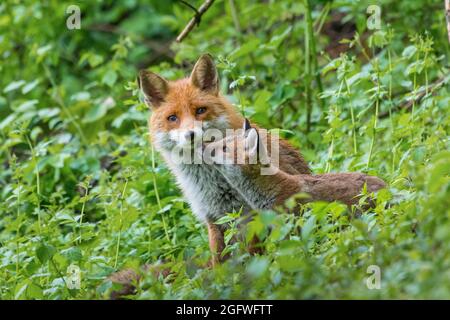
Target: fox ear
x,y
247,125
252,142
204,75
153,87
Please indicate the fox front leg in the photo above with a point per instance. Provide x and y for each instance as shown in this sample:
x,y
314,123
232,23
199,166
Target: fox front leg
x,y
216,243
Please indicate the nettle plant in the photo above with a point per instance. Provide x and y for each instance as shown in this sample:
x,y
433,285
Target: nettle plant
x,y
365,94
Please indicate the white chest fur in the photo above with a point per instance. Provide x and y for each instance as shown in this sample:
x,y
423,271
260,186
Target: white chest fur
x,y
208,193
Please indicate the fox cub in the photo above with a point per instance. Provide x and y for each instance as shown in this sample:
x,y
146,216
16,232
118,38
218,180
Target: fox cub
x,y
264,190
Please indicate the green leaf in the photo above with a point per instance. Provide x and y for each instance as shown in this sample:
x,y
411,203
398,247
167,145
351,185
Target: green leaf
x,y
277,39
109,78
81,96
72,254
95,113
289,264
20,289
245,49
7,121
34,291
27,106
257,267
30,86
43,50
14,86
409,51
45,252
308,227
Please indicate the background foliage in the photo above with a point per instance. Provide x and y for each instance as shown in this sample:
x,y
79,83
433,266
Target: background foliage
x,y
80,184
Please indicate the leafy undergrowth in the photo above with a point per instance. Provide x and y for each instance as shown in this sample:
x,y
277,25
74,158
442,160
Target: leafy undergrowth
x,y
80,185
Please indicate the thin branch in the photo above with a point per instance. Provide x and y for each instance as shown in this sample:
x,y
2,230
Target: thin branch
x,y
189,5
195,20
432,88
235,17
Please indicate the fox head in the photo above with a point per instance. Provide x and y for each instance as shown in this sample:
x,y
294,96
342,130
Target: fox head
x,y
183,109
246,152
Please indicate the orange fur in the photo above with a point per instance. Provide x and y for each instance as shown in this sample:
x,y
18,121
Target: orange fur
x,y
182,99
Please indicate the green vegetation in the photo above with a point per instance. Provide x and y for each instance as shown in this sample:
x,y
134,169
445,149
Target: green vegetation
x,y
80,183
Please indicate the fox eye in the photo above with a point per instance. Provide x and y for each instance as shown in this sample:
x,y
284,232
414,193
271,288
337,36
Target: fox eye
x,y
172,118
200,110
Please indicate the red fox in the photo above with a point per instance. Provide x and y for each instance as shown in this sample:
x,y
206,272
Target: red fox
x,y
266,190
182,111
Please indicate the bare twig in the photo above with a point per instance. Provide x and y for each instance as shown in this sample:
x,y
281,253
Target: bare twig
x,y
195,20
187,4
432,88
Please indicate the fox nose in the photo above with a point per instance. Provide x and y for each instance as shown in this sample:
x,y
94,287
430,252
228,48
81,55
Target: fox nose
x,y
189,135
